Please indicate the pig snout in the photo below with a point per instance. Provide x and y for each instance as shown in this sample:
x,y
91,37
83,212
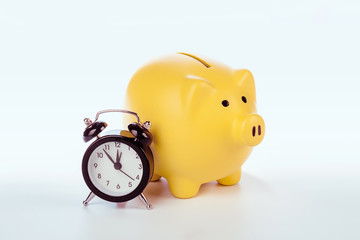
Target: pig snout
x,y
249,130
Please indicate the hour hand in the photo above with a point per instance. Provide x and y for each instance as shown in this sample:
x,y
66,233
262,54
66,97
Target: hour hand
x,y
108,155
118,157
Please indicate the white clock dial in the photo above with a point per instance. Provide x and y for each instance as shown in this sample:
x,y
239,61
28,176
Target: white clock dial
x,y
115,168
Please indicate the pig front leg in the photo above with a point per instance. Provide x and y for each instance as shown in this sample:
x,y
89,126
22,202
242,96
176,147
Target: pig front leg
x,y
231,179
183,188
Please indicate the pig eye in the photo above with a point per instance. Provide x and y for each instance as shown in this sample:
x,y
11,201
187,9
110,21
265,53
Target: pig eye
x,y
243,98
225,103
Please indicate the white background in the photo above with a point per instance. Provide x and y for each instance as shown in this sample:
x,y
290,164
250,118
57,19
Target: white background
x,y
61,61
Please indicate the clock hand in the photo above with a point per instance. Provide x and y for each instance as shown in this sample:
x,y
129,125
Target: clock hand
x,y
118,157
126,174
109,157
117,164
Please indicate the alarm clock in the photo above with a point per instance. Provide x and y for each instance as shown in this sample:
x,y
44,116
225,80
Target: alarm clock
x,y
118,165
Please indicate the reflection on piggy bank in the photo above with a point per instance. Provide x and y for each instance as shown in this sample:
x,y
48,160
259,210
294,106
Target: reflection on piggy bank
x,y
203,116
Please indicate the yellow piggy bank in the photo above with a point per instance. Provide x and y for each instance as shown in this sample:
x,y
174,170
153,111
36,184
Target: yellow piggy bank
x,y
203,116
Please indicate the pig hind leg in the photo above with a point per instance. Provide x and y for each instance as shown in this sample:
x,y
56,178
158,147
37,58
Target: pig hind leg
x,y
183,188
231,179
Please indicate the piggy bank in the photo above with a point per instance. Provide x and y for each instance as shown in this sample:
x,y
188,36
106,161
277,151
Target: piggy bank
x,y
203,119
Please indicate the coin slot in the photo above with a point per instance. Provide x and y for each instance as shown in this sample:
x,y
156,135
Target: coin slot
x,y
206,64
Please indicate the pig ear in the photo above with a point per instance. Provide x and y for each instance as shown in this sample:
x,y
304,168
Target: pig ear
x,y
245,79
195,92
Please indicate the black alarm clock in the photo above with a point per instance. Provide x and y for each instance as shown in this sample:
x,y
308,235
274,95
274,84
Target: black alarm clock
x,y
118,165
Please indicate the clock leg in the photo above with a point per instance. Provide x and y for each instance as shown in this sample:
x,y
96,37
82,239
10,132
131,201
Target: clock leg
x,y
145,201
88,199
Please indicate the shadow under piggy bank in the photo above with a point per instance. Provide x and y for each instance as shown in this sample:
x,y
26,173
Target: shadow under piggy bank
x,y
158,192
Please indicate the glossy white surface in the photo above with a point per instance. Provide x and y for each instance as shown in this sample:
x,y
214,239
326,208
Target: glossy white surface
x,y
63,61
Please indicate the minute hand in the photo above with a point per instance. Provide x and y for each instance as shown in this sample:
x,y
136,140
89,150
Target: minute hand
x,y
108,155
126,174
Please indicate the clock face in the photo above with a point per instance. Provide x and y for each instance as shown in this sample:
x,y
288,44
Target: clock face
x,y
115,169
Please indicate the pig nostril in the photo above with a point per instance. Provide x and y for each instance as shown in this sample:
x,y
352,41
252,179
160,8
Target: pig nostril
x,y
243,98
253,131
259,130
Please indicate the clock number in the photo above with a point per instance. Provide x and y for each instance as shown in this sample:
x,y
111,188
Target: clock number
x,y
117,144
99,175
137,156
129,148
95,165
107,147
137,177
130,184
118,186
100,155
107,182
140,166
